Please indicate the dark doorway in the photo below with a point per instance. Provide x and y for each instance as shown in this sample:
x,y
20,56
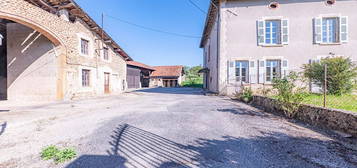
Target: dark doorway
x,y
3,61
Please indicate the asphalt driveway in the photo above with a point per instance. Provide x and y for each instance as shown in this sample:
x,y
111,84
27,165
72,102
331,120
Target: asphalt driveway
x,y
167,127
178,127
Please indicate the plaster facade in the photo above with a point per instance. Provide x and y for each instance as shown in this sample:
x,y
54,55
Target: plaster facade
x,y
238,38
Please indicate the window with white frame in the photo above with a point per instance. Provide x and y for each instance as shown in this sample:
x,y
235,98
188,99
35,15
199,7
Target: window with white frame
x,y
85,77
106,54
84,46
242,71
273,70
330,30
273,32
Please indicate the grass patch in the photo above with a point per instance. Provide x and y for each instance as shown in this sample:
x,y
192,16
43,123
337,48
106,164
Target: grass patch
x,y
59,156
194,83
344,102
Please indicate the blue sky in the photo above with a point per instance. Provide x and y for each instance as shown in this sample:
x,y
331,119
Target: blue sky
x,y
153,48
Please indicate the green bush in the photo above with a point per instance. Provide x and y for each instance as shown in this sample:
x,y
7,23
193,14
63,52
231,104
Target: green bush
x,y
65,155
49,152
340,74
59,156
247,95
289,95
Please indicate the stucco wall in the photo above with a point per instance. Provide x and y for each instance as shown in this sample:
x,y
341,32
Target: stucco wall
x,y
31,64
239,33
66,37
210,50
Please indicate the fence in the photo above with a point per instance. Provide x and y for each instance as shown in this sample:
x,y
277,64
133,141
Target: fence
x,y
325,94
318,93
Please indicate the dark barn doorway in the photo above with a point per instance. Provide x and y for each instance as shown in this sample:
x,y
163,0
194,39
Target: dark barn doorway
x,y
3,60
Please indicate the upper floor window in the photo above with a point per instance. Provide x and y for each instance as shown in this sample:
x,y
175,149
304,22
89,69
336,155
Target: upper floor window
x,y
242,71
84,47
330,30
106,54
273,32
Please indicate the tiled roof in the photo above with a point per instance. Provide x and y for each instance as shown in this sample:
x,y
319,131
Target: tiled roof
x,y
167,71
140,65
75,11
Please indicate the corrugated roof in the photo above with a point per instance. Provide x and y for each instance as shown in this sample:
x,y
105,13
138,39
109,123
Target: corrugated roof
x,y
140,65
167,71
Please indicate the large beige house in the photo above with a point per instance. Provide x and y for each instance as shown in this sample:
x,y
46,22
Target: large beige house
x,y
253,41
52,50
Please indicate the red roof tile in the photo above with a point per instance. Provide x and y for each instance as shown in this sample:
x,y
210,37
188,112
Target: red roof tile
x,y
140,65
167,71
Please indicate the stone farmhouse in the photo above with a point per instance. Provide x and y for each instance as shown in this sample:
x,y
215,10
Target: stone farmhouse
x,y
52,50
251,42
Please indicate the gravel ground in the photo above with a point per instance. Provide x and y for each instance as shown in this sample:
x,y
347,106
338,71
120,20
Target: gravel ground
x,y
167,127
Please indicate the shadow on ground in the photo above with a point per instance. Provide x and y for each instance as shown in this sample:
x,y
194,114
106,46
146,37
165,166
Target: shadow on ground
x,y
3,127
134,147
243,111
187,91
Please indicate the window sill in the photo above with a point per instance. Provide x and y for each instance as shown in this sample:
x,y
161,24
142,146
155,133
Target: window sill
x,y
272,45
329,44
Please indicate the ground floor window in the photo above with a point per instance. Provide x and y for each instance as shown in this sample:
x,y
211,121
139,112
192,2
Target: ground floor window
x,y
85,77
273,70
242,71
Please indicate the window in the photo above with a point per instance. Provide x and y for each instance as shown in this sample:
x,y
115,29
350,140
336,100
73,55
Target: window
x,y
273,32
84,47
85,77
330,2
209,53
242,68
273,70
273,5
106,54
330,30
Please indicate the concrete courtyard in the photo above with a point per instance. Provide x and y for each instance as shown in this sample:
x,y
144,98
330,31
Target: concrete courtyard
x,y
166,127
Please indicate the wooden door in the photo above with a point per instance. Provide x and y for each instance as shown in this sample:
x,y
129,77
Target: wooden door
x,y
106,83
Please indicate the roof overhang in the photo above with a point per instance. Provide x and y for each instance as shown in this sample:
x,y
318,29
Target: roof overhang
x,y
75,11
210,19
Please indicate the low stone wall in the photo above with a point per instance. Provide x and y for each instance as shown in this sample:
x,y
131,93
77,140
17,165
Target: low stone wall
x,y
339,120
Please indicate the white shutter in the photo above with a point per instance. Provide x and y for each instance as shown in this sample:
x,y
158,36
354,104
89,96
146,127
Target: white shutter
x,y
318,30
285,31
284,68
231,72
261,32
261,71
253,71
344,29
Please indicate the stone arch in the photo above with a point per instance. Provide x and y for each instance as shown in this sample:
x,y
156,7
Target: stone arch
x,y
61,48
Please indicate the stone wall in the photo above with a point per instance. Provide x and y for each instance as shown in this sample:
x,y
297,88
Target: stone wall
x,y
339,120
65,36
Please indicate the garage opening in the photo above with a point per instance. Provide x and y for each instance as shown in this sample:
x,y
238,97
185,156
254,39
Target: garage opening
x,y
27,64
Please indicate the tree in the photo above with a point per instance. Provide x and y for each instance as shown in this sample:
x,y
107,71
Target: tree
x,y
340,74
